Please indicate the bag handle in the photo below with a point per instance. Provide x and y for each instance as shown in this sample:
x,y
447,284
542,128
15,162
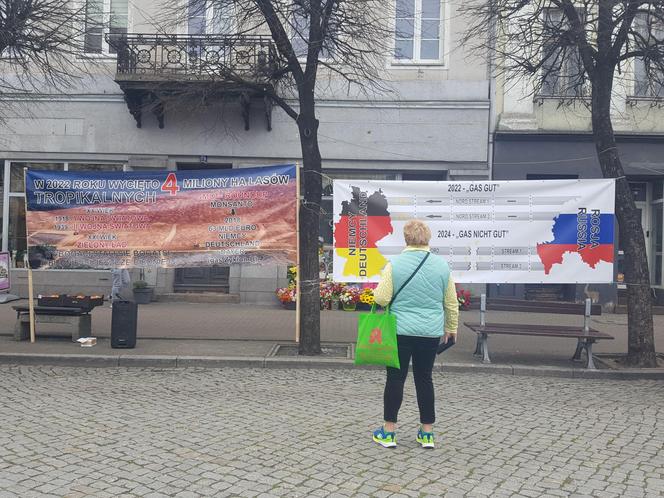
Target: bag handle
x,y
409,279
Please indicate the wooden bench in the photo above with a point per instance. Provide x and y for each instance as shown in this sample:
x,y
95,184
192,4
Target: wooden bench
x,y
79,320
584,334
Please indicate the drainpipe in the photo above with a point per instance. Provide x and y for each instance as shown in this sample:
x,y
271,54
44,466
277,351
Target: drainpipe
x,y
492,97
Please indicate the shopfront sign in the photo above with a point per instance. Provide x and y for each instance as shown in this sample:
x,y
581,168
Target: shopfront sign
x,y
535,231
161,219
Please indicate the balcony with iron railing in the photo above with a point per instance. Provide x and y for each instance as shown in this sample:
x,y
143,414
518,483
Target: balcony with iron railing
x,y
150,65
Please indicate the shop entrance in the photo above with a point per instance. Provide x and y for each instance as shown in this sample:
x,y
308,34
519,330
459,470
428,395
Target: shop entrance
x,y
205,279
202,279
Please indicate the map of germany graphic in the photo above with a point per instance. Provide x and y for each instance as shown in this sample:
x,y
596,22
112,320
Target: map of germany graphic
x,y
364,221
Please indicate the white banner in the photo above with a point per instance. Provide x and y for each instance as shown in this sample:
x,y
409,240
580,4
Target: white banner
x,y
530,231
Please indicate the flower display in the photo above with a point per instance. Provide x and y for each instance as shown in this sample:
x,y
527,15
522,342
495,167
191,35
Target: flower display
x,y
463,296
350,295
287,294
331,291
367,296
325,292
292,275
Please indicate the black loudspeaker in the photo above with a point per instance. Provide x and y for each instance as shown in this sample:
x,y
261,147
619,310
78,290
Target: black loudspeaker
x,y
124,320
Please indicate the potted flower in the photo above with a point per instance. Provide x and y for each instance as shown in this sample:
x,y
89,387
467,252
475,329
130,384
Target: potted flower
x,y
142,293
336,289
292,275
463,297
325,295
349,298
287,296
366,299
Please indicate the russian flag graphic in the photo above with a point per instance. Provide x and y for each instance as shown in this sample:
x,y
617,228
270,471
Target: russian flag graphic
x,y
588,233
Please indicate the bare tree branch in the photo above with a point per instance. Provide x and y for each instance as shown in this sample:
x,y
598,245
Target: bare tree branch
x,y
41,45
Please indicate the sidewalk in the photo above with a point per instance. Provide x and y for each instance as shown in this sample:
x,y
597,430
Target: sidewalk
x,y
199,334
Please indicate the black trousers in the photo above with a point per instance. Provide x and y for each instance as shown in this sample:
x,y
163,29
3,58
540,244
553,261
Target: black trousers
x,y
423,352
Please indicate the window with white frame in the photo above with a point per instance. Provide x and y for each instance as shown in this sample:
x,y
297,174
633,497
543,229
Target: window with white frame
x,y
104,17
648,80
562,69
657,234
299,40
418,30
208,17
14,239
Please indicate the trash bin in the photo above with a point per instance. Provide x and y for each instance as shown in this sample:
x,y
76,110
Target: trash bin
x,y
124,320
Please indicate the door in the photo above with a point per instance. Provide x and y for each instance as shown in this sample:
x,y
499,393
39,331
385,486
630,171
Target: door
x,y
550,292
640,192
656,243
204,278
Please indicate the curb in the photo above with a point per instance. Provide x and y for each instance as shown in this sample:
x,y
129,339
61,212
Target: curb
x,y
171,361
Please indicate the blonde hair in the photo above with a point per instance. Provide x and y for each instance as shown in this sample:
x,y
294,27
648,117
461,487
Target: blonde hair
x,y
416,233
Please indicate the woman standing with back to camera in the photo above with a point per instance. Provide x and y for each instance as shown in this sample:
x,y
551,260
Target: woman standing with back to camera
x,y
426,308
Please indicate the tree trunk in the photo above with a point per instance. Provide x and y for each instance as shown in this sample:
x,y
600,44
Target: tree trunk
x,y
640,340
309,230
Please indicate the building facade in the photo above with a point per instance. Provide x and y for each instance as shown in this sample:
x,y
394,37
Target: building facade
x,y
547,135
432,125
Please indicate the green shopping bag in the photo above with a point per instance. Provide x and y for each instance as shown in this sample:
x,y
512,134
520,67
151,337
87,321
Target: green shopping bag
x,y
377,339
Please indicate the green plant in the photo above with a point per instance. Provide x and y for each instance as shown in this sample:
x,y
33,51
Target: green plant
x,y
140,284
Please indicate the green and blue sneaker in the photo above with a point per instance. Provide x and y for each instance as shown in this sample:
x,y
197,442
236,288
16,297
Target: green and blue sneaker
x,y
425,438
385,439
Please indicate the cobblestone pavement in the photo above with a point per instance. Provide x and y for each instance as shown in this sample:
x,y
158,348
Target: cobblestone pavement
x,y
242,432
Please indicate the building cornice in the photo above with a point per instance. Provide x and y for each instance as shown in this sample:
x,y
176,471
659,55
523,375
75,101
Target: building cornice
x,y
548,136
329,103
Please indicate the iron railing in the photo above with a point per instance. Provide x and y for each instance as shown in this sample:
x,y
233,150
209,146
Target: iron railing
x,y
194,57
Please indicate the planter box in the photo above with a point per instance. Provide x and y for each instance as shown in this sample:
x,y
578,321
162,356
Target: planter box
x,y
54,300
86,303
143,295
659,297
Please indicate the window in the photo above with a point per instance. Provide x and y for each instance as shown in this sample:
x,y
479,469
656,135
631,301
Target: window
x,y
648,81
196,18
657,241
300,36
657,233
16,175
2,201
658,190
426,176
15,209
417,31
552,176
562,68
94,167
208,17
104,17
640,193
16,242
